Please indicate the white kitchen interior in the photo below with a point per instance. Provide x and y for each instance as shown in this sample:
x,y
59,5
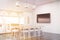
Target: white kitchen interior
x,y
18,20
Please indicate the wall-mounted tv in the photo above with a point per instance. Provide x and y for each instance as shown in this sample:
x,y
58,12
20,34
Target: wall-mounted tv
x,y
43,18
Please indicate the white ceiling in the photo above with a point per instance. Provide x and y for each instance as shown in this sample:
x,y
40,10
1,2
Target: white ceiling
x,y
37,2
24,4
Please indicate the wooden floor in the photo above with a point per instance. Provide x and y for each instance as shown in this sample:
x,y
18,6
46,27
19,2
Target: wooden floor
x,y
45,36
34,38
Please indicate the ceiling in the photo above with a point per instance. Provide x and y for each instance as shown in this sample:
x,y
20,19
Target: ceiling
x,y
24,5
37,2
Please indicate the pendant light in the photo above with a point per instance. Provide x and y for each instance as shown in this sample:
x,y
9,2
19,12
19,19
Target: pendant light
x,y
17,3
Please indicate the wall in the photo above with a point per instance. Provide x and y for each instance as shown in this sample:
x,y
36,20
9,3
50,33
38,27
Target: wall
x,y
53,9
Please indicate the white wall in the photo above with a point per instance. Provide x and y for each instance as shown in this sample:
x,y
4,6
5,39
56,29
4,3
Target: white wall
x,y
54,10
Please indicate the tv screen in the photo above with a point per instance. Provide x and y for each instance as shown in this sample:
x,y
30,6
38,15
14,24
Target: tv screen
x,y
43,18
